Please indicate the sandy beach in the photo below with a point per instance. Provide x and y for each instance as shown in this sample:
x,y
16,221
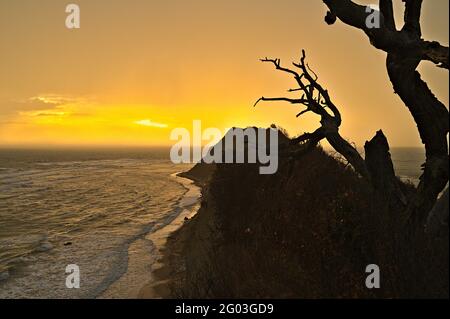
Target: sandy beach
x,y
151,248
169,269
163,270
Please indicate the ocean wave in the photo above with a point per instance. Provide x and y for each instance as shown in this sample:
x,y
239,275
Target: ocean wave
x,y
100,208
17,250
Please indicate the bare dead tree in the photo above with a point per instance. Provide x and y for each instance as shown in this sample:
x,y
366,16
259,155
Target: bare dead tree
x,y
405,49
317,100
376,168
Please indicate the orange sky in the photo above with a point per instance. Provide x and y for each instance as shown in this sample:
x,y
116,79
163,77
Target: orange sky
x,y
138,68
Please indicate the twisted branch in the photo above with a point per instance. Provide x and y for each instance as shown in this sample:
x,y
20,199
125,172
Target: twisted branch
x,y
317,100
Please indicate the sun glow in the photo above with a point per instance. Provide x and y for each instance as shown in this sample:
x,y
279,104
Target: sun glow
x,y
150,123
133,82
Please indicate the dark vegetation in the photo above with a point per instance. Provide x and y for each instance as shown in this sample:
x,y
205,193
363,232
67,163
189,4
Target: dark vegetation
x,y
308,231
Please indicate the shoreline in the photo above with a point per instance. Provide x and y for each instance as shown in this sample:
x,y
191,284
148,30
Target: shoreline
x,y
145,253
171,266
160,274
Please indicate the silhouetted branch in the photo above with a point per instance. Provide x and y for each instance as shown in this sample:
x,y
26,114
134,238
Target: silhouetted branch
x,y
405,50
387,11
412,17
303,112
317,99
315,75
317,135
386,38
276,63
292,101
348,12
436,53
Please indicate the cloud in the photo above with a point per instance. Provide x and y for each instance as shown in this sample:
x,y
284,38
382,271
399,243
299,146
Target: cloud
x,y
40,105
44,113
50,100
150,123
44,102
47,105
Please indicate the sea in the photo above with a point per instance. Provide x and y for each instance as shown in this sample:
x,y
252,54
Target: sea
x,y
98,209
84,208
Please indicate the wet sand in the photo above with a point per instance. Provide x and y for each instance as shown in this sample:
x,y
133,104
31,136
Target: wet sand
x,y
160,271
170,267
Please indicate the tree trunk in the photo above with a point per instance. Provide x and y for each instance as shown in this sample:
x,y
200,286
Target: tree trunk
x,y
405,49
432,119
379,164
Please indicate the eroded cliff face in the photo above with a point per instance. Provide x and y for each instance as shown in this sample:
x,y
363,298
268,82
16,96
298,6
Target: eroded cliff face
x,y
308,231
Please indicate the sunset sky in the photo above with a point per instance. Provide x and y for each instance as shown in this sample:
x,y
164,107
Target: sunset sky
x,y
136,69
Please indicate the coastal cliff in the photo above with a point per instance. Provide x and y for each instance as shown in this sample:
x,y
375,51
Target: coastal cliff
x,y
307,231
